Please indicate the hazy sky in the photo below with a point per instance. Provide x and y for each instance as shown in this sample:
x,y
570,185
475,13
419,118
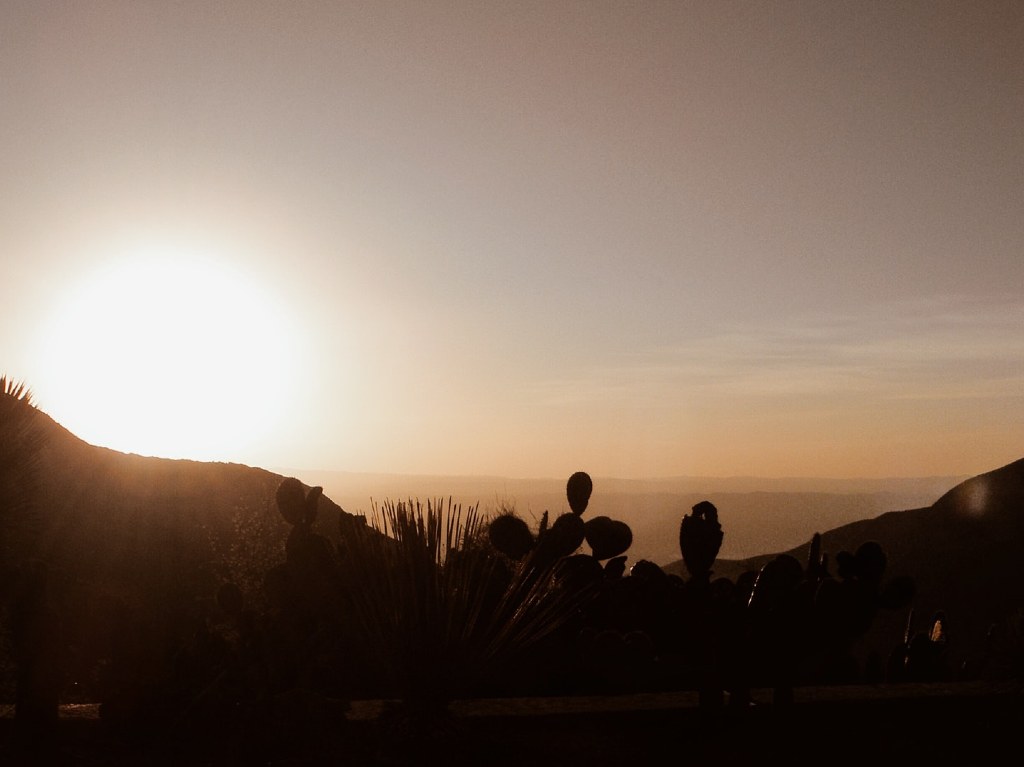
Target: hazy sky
x,y
520,238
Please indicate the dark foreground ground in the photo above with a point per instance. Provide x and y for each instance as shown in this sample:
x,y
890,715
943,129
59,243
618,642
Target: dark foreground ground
x,y
964,724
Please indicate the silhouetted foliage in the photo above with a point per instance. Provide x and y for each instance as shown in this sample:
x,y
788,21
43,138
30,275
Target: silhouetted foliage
x,y
22,440
27,609
430,602
578,489
700,538
1004,657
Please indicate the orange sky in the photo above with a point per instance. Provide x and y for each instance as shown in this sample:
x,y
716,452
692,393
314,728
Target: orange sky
x,y
667,238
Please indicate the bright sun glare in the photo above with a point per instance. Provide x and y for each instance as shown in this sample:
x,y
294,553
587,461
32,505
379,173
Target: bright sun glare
x,y
167,353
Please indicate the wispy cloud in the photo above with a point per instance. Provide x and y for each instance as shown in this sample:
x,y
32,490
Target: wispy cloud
x,y
953,348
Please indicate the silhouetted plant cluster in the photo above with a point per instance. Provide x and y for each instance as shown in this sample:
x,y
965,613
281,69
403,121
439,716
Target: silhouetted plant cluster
x,y
1004,658
804,620
412,603
644,629
28,615
923,654
426,603
261,679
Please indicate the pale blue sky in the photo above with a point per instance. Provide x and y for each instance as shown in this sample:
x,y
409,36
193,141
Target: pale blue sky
x,y
643,239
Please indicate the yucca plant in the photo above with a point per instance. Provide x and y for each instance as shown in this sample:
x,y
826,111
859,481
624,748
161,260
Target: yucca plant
x,y
26,605
441,609
22,439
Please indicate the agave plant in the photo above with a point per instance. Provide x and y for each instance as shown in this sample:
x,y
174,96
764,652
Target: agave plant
x,y
442,611
22,439
32,619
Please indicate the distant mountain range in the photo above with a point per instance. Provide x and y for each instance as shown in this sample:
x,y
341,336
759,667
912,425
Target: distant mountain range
x,y
141,526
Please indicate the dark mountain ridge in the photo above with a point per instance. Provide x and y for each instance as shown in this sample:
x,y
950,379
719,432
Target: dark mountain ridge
x,y
101,513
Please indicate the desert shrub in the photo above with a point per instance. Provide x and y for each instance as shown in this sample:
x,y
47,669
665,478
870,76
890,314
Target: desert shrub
x,y
443,612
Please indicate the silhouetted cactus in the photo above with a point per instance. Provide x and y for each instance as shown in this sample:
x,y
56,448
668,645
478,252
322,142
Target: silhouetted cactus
x,y
864,589
615,567
867,563
565,535
578,490
291,500
700,538
1003,657
775,583
22,442
804,622
297,506
923,656
440,611
33,620
451,602
608,537
593,574
580,572
511,536
817,560
308,553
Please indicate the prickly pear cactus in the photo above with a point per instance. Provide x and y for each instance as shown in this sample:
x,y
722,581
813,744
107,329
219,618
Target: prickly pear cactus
x,y
511,536
297,506
817,560
700,538
578,490
563,537
291,500
608,537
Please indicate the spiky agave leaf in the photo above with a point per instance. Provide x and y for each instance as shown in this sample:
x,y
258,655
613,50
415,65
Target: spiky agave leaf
x,y
439,608
395,578
22,439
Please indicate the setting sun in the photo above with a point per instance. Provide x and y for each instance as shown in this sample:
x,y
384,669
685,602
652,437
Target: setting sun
x,y
167,352
514,241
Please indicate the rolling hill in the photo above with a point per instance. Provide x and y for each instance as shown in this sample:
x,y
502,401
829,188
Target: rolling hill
x,y
102,515
128,538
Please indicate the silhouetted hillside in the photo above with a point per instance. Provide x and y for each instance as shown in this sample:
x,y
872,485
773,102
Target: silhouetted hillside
x,y
964,553
128,538
101,512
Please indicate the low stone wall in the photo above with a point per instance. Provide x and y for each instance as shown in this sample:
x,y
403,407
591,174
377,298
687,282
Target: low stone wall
x,y
958,724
